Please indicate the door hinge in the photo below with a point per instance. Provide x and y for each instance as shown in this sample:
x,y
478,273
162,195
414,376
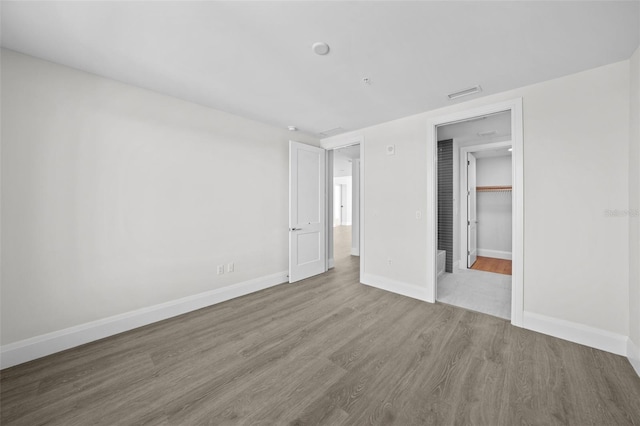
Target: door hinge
x,y
468,163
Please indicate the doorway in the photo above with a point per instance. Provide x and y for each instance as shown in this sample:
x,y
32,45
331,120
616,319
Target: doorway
x,y
481,135
311,207
344,240
474,198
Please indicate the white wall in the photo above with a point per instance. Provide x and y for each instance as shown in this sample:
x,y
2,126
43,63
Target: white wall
x,y
115,198
493,171
575,167
494,210
634,208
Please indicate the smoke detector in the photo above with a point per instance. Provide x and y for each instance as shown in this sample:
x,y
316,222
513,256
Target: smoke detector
x,y
320,48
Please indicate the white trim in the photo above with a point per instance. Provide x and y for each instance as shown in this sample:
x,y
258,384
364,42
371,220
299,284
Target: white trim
x,y
515,106
340,142
496,254
328,200
47,344
331,263
576,332
517,234
633,354
355,201
397,287
362,208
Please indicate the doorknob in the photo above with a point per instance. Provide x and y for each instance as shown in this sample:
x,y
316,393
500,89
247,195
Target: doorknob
x,y
295,229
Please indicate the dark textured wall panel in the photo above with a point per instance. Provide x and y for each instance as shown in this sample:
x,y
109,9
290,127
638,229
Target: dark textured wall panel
x,y
445,200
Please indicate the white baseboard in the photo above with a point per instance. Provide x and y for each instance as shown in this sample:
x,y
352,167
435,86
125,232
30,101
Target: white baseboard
x,y
397,287
496,254
47,344
332,263
355,251
577,333
633,354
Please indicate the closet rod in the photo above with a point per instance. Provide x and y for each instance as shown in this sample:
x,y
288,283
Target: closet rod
x,y
493,188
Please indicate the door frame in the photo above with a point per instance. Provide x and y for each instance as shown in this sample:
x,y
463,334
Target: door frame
x,y
463,179
330,145
517,234
468,197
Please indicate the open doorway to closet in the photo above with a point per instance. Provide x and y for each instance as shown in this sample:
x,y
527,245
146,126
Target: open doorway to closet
x,y
474,214
344,240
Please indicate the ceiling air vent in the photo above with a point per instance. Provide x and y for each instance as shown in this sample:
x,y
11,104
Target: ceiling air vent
x,y
465,92
331,132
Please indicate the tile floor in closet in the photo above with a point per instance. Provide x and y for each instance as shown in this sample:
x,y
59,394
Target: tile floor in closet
x,y
479,291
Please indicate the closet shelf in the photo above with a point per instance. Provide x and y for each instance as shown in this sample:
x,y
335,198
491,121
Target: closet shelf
x,y
493,188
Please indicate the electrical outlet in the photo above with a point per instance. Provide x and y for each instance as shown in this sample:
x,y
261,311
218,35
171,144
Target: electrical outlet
x,y
230,267
389,261
220,269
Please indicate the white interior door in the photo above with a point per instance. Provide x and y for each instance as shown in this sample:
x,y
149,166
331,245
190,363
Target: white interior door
x,y
337,209
472,220
343,205
307,209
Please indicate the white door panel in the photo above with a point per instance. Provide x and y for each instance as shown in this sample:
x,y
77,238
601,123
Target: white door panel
x,y
308,247
306,211
337,209
344,217
472,220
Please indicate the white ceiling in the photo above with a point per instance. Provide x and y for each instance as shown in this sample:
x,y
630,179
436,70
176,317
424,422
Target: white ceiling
x,y
254,59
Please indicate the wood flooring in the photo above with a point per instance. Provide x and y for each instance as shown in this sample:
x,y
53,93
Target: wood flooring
x,y
325,351
491,264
